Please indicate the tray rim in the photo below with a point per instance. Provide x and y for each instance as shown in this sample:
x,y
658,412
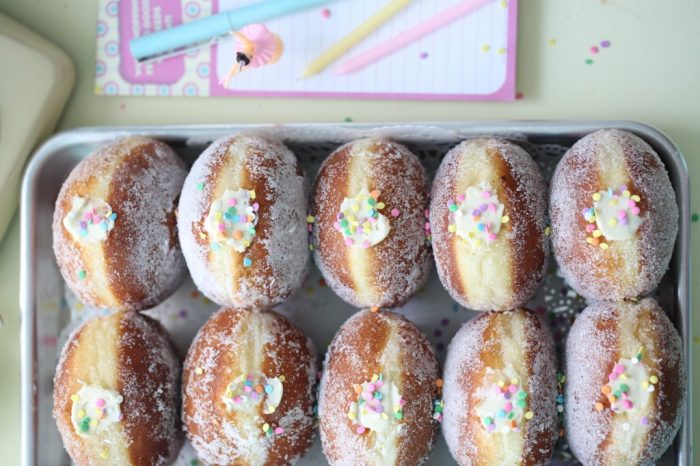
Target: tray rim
x,y
61,140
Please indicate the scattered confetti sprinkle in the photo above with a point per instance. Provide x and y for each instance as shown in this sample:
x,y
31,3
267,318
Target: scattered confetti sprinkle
x,y
485,48
82,274
605,43
504,3
200,186
594,49
552,41
519,96
326,13
588,61
502,51
423,55
247,262
695,218
348,120
199,371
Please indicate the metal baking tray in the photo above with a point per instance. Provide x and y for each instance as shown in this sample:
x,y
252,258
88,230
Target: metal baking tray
x,y
48,310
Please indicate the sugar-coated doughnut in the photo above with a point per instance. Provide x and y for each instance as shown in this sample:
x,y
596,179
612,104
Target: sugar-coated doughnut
x,y
500,391
116,393
487,217
614,216
378,393
242,222
248,390
368,207
114,227
625,385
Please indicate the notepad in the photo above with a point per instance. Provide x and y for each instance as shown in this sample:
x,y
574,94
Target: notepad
x,y
471,59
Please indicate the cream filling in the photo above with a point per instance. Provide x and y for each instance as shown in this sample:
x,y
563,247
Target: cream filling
x,y
477,215
386,442
504,405
506,448
232,219
107,441
360,221
249,357
248,393
484,272
94,410
628,432
379,405
90,219
360,259
612,171
616,213
224,262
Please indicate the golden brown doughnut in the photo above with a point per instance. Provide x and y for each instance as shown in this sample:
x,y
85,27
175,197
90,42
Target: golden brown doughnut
x,y
116,393
614,216
114,227
500,391
368,206
626,382
377,393
242,222
487,216
248,390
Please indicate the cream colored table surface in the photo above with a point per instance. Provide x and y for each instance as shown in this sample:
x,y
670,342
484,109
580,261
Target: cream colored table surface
x,y
651,74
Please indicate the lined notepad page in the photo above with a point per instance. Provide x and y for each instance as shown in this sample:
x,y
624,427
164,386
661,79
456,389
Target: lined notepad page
x,y
470,57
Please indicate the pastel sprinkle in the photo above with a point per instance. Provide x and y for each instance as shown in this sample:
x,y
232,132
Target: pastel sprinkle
x,y
199,371
588,61
247,262
594,49
605,43
82,274
279,430
200,186
326,13
395,212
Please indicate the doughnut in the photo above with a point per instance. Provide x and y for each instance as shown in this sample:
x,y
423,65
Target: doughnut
x,y
116,393
614,216
625,385
500,391
242,222
487,217
248,390
368,233
114,231
377,399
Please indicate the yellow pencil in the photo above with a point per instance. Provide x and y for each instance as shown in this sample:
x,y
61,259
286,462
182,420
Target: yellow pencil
x,y
346,43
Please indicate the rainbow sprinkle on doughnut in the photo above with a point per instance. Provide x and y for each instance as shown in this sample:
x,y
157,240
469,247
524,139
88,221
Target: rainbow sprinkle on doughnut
x,y
504,406
614,216
360,220
477,215
378,405
629,387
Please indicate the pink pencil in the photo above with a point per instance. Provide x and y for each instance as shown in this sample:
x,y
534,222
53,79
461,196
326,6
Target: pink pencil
x,y
407,37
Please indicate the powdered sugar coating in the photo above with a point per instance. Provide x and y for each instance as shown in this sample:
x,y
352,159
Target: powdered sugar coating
x,y
239,342
628,268
504,274
603,334
133,351
378,343
497,339
389,272
140,263
275,263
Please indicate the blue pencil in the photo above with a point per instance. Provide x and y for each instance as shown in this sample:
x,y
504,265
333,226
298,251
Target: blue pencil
x,y
205,29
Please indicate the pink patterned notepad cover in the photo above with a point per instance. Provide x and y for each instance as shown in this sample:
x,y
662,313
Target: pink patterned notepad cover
x,y
471,59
